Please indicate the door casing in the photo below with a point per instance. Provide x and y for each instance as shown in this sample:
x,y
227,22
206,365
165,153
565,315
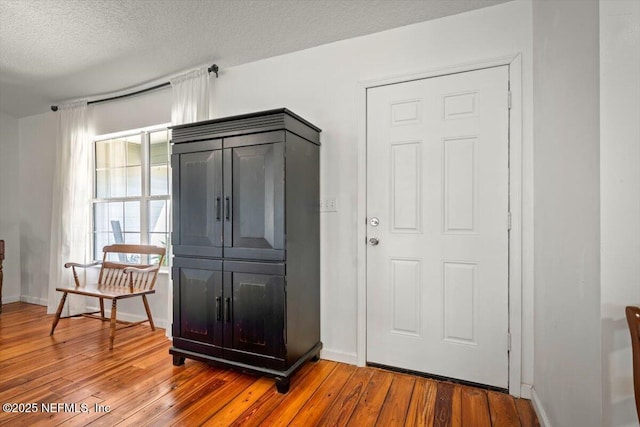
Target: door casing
x,y
515,205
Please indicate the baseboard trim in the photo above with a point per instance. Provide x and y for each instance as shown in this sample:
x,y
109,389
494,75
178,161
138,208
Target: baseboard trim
x,y
9,300
34,300
540,412
525,391
339,356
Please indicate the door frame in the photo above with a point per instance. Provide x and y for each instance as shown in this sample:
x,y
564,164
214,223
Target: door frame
x,y
515,259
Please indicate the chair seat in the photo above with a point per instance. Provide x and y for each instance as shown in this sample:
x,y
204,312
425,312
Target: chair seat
x,y
105,291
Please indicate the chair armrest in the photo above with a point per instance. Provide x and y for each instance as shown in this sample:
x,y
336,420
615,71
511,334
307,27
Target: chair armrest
x,y
141,270
75,264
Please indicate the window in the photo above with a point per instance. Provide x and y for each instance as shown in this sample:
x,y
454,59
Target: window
x,y
131,191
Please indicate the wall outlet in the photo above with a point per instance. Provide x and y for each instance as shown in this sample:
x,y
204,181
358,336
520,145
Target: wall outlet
x,y
328,204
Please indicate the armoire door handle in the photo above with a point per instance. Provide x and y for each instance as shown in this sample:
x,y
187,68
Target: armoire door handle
x,y
218,309
227,207
227,303
218,209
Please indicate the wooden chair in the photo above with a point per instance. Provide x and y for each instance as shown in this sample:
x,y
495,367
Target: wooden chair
x,y
633,319
117,280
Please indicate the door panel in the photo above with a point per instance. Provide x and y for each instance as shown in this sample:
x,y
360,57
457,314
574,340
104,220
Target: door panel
x,y
254,202
200,305
406,186
254,313
199,204
405,292
437,180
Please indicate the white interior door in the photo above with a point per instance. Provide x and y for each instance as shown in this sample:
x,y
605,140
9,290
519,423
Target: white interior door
x,y
437,203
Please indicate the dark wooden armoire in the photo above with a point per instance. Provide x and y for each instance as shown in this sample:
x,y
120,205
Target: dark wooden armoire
x,y
246,243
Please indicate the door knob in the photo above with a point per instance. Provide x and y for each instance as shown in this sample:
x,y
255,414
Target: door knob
x,y
373,241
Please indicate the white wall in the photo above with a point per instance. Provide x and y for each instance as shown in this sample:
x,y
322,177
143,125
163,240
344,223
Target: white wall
x,y
135,112
620,201
321,85
567,370
10,207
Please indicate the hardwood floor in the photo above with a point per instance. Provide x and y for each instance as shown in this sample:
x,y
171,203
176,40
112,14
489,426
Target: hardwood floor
x,y
72,377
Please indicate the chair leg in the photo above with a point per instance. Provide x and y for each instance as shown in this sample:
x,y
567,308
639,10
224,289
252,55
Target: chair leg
x,y
102,307
112,331
58,313
146,307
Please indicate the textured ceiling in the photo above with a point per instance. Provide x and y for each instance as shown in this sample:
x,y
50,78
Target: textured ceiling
x,y
57,50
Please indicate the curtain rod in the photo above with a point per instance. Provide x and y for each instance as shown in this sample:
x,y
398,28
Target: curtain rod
x,y
213,69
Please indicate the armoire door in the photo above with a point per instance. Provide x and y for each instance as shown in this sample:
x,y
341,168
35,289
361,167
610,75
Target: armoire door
x,y
254,314
254,202
199,302
197,200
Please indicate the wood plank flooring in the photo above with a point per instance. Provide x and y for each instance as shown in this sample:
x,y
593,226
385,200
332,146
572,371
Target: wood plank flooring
x,y
71,378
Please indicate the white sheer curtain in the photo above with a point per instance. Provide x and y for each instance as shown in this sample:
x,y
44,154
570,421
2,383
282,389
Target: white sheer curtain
x,y
190,97
71,203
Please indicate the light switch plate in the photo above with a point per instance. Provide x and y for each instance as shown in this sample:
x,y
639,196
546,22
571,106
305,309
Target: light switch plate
x,y
328,204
